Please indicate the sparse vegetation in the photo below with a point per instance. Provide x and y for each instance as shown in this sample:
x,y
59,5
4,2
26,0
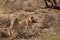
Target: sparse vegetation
x,y
23,16
26,32
5,20
3,35
46,27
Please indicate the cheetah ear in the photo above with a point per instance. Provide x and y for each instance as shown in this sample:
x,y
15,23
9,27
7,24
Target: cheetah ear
x,y
31,16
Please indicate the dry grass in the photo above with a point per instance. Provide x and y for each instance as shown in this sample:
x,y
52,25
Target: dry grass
x,y
47,26
4,20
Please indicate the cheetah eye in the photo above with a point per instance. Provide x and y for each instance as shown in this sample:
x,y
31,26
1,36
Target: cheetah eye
x,y
5,29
